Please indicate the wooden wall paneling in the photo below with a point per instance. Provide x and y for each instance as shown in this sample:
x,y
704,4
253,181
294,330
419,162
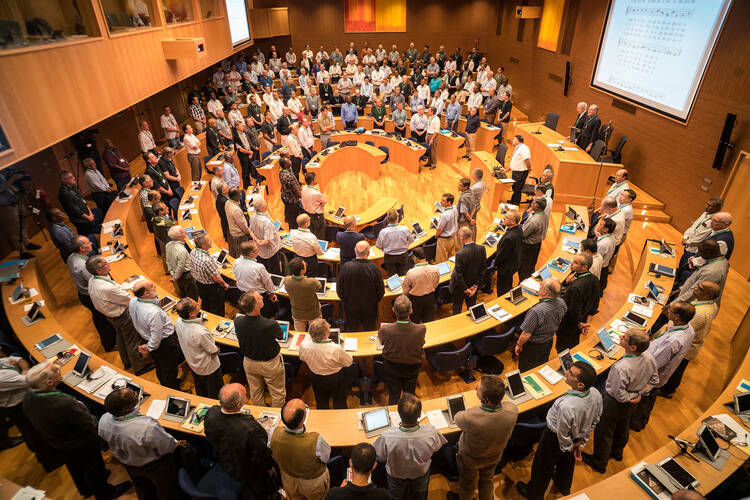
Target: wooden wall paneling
x,y
737,203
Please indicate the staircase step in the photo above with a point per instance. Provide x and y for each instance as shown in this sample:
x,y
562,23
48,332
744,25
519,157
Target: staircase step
x,y
651,215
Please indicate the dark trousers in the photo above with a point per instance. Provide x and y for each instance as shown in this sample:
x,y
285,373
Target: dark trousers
x,y
103,199
291,211
568,336
296,163
103,326
459,297
674,380
122,182
356,317
419,137
156,480
246,169
167,358
504,282
613,430
318,225
642,412
350,125
35,442
529,255
534,354
422,307
400,130
272,264
519,179
128,341
327,387
212,298
186,286
550,462
604,278
312,265
400,378
86,467
396,264
209,385
398,488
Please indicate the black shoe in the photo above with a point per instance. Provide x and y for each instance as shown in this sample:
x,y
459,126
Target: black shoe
x,y
12,442
32,246
26,255
120,489
522,489
589,460
617,458
146,369
665,395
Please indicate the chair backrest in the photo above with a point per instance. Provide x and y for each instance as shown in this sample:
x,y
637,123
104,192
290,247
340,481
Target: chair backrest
x,y
276,146
495,344
112,20
617,153
186,484
231,362
605,132
379,226
387,152
430,250
331,232
597,149
453,360
174,204
400,213
264,155
502,150
551,121
370,143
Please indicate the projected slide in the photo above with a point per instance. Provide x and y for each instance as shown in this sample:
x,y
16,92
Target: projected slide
x,y
654,52
239,28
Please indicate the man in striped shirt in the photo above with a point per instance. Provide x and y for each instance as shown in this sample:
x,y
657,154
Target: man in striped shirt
x,y
207,274
539,326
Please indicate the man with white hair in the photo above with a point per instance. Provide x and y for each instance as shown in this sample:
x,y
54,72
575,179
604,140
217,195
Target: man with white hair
x,y
266,237
418,125
539,326
178,263
581,109
67,426
360,286
590,128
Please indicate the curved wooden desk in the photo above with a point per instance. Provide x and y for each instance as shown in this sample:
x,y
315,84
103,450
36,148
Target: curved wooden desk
x,y
362,157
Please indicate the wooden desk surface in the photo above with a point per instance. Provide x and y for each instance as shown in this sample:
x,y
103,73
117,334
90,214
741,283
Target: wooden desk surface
x,y
8,489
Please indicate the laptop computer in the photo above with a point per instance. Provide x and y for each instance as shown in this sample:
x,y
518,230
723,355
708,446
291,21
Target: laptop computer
x,y
417,228
516,295
375,422
394,283
323,282
286,339
478,313
177,409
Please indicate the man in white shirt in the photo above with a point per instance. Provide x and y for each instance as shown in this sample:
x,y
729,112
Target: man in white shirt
x,y
475,99
433,129
234,116
171,128
146,139
620,184
423,90
418,125
252,276
327,361
520,164
305,244
306,138
313,203
101,191
199,348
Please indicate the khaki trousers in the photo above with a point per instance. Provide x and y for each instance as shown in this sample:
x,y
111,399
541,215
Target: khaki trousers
x,y
470,141
262,374
297,488
446,247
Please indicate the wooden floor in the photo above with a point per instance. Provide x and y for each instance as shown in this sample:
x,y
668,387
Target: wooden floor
x,y
702,383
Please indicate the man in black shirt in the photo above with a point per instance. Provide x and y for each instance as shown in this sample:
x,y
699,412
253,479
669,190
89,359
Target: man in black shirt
x,y
160,182
505,108
468,275
325,90
581,292
239,444
508,256
213,143
472,125
360,286
169,169
362,462
67,426
336,101
264,366
85,219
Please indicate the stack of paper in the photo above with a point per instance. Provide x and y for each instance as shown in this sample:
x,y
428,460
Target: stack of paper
x,y
350,344
156,408
498,312
437,418
535,386
29,493
331,253
531,285
550,375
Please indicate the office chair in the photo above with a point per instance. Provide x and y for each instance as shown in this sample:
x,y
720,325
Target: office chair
x,y
523,438
615,155
372,232
370,143
214,484
112,20
551,121
488,346
331,232
387,152
460,360
265,154
597,149
502,151
430,249
275,147
231,362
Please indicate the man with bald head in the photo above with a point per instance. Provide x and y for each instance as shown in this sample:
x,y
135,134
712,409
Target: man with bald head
x,y
266,237
581,292
539,326
301,455
156,329
469,272
347,239
590,128
581,109
239,443
360,286
620,184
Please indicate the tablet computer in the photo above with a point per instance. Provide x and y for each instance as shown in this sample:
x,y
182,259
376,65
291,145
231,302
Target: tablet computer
x,y
607,343
678,474
323,282
374,422
666,248
222,257
444,268
571,214
742,403
661,270
177,409
137,389
635,319
478,312
166,302
18,293
516,295
566,359
708,442
339,213
490,240
276,280
323,245
456,403
418,231
434,223
334,334
52,339
394,283
35,312
82,364
515,384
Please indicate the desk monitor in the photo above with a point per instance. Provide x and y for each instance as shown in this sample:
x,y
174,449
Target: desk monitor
x,y
52,339
276,280
516,295
515,384
339,213
18,292
177,407
742,403
82,364
566,359
394,283
166,302
222,257
323,245
478,312
334,334
456,403
635,319
323,282
374,422
708,442
444,268
607,343
418,231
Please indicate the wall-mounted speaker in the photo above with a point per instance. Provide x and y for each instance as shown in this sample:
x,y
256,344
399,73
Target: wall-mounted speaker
x,y
566,82
726,140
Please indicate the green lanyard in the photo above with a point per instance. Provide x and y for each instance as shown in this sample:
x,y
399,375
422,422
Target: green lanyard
x,y
487,408
582,274
632,356
123,419
408,429
577,394
51,393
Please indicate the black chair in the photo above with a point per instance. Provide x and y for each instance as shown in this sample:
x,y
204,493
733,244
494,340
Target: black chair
x,y
502,150
174,205
333,143
551,121
615,155
604,133
370,143
331,232
528,189
275,147
523,438
488,346
290,370
443,295
460,360
400,213
337,469
430,250
265,154
387,151
11,33
214,484
372,232
231,362
207,159
597,149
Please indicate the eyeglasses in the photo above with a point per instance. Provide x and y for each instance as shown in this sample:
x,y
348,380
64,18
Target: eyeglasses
x,y
699,287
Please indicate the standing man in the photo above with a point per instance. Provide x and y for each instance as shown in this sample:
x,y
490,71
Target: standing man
x,y
197,114
581,292
403,350
433,129
362,462
303,294
590,128
314,204
467,205
349,114
520,164
569,424
101,191
239,444
305,244
327,362
170,127
539,326
419,286
266,237
477,189
508,254
620,184
581,109
206,271
146,139
155,327
468,274
628,379
301,455
605,243
472,125
360,286
700,229
244,150
199,349
67,426
394,241
534,232
485,430
262,361
178,263
86,220
239,232
348,239
407,451
111,300
326,124
418,124
290,191
253,277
